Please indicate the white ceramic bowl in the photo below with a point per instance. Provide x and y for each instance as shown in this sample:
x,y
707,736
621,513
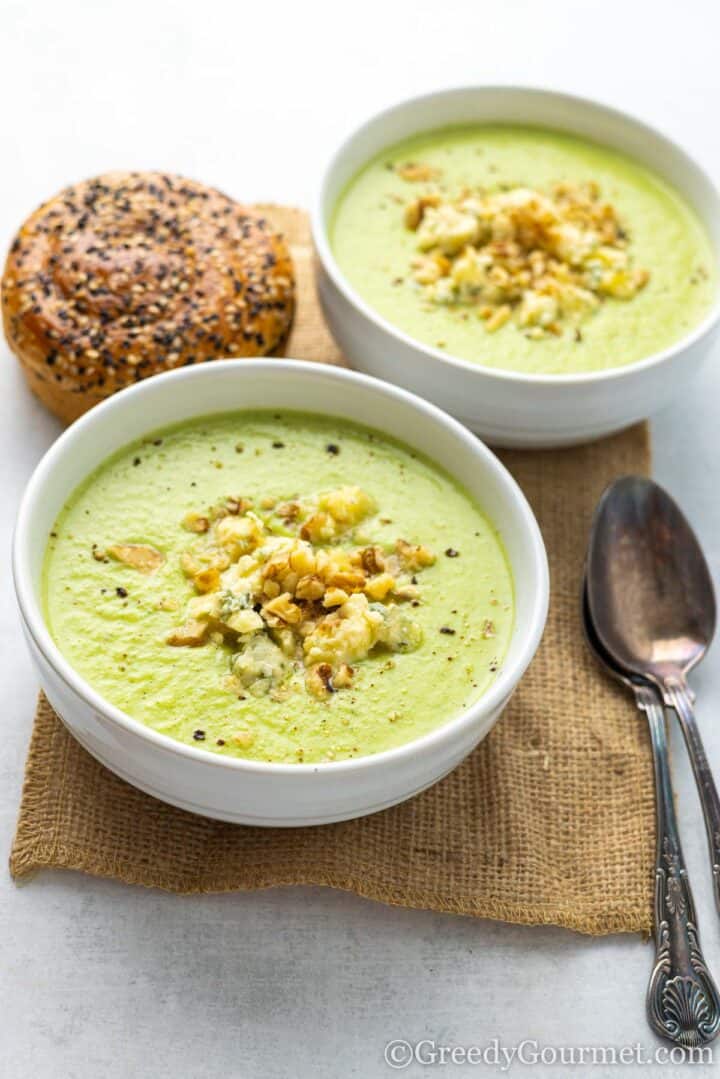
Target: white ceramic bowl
x,y
249,792
509,408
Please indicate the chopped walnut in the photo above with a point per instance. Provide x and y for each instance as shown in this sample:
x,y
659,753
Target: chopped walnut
x,y
140,556
498,318
190,634
207,580
320,528
335,597
288,511
319,680
310,588
414,212
373,560
237,505
379,586
196,522
428,269
413,556
342,679
417,173
282,610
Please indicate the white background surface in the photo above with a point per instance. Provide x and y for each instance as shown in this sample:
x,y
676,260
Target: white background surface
x,y
100,980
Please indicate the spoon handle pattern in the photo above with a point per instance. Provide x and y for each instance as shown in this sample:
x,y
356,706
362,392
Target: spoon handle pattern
x,y
682,1000
678,697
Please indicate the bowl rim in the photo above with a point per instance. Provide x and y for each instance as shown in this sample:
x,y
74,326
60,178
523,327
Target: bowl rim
x,y
588,378
33,619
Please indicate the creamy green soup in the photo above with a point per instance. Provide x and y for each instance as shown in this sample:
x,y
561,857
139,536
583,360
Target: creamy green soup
x,y
281,587
658,234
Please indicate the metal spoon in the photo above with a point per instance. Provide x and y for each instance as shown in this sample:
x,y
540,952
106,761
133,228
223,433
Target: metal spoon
x,y
652,604
682,1000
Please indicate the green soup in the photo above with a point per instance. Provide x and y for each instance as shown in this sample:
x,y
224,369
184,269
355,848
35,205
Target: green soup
x,y
660,233
264,535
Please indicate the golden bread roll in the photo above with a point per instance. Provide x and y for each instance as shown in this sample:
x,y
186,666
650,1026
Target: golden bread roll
x,y
134,273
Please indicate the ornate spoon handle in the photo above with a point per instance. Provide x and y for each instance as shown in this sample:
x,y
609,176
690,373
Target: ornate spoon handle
x,y
682,1001
678,697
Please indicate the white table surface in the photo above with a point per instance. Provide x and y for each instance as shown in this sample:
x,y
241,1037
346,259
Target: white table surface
x,y
102,980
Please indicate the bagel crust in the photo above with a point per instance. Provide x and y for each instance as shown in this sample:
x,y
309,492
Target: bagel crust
x,y
134,273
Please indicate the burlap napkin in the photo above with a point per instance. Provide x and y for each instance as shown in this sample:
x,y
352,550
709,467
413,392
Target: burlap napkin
x,y
550,820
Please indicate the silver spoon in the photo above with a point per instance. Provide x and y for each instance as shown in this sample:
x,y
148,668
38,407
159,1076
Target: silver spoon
x,y
652,604
682,1000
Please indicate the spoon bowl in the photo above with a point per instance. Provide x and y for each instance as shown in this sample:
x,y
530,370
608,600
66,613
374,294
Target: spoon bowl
x,y
649,588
